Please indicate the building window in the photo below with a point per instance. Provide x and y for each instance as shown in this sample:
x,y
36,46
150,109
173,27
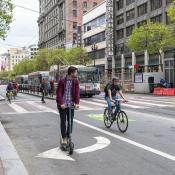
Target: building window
x,y
74,25
119,48
74,13
94,4
142,9
120,19
129,30
156,4
129,2
97,54
100,37
74,4
141,23
85,4
157,19
120,34
120,4
95,23
168,2
130,14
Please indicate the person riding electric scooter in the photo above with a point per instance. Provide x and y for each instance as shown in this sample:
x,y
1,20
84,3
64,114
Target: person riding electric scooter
x,y
68,98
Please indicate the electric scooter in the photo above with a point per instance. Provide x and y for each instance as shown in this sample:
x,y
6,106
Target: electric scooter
x,y
69,147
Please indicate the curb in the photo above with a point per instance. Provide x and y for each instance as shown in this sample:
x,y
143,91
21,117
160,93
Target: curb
x,y
10,161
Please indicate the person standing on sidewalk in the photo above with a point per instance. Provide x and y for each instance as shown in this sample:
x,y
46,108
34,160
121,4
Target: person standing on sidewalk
x,y
68,95
43,90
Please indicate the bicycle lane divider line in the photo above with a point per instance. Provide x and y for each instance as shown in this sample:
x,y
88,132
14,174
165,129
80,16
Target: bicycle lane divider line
x,y
141,146
144,147
17,108
11,161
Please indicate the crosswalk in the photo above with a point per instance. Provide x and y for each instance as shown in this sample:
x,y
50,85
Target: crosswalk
x,y
89,104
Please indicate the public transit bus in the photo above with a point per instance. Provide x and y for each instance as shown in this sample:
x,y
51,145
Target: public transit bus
x,y
35,80
22,80
88,77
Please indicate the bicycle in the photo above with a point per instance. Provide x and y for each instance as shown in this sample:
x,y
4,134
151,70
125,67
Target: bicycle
x,y
9,95
69,147
117,115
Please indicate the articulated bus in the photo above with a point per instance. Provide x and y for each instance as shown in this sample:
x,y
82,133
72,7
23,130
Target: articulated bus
x,y
89,78
35,79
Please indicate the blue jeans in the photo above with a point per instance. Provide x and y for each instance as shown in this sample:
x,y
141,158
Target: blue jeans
x,y
110,104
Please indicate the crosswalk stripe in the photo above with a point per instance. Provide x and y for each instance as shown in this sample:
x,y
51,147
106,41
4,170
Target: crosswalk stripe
x,y
103,104
17,108
139,102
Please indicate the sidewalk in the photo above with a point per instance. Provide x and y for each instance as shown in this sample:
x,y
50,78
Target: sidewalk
x,y
10,162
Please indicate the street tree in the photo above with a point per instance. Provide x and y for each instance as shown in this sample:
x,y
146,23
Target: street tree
x,y
77,56
56,57
152,37
6,9
171,11
41,60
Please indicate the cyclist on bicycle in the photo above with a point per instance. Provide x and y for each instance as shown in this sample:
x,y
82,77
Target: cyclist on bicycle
x,y
68,95
111,95
9,87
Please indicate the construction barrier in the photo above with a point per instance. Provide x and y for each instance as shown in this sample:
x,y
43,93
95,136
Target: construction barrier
x,y
164,91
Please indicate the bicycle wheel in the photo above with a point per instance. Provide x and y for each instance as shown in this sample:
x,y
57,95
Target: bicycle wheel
x,y
108,123
122,121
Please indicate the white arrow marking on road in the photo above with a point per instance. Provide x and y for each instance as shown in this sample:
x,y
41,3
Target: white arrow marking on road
x,y
56,153
102,142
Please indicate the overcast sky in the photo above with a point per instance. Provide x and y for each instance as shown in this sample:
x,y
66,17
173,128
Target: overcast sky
x,y
24,29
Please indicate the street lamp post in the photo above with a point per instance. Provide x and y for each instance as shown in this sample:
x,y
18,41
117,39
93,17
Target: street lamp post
x,y
94,49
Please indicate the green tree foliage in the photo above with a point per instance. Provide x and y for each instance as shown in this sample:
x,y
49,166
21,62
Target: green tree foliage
x,y
153,37
57,56
41,60
171,11
6,9
46,58
24,67
77,56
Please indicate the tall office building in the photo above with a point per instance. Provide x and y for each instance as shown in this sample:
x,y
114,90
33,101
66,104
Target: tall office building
x,y
60,22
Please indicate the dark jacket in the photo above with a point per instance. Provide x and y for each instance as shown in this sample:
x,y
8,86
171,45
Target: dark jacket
x,y
75,91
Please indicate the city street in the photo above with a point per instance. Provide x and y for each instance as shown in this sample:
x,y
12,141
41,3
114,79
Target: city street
x,y
147,148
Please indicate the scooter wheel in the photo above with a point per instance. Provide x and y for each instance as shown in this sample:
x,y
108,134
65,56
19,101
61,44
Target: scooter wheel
x,y
71,148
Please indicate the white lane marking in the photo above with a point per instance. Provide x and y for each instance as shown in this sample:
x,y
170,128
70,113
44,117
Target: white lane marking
x,y
102,142
151,104
40,107
105,105
139,102
55,153
17,108
151,116
147,148
28,112
84,108
153,101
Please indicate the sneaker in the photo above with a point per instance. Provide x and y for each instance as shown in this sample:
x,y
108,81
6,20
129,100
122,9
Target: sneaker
x,y
64,141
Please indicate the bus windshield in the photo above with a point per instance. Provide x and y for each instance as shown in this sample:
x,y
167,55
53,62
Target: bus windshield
x,y
88,76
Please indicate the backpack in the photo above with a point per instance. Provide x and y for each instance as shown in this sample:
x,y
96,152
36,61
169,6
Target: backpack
x,y
106,88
